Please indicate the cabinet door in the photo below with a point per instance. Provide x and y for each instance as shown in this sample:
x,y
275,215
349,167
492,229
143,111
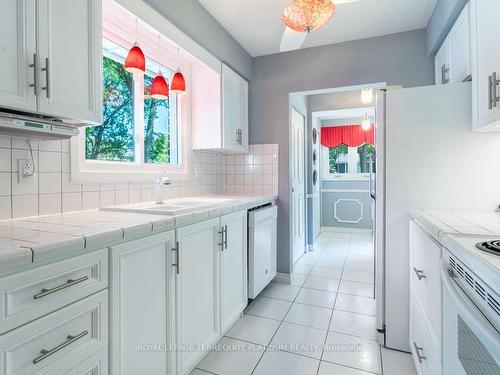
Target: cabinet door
x,y
233,268
17,53
241,114
70,59
142,289
228,108
459,47
485,43
197,292
442,64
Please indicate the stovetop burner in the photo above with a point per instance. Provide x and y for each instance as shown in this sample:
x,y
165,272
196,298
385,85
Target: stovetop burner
x,y
492,247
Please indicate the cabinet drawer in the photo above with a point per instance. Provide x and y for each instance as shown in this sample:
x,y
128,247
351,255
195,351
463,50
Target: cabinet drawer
x,y
423,351
68,336
31,294
426,278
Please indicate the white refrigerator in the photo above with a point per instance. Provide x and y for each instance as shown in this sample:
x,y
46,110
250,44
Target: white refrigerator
x,y
426,157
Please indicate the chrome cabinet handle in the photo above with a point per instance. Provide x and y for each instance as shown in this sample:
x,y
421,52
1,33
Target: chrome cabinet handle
x,y
34,65
70,282
444,70
221,232
177,263
490,90
225,237
44,354
420,274
494,98
47,77
418,349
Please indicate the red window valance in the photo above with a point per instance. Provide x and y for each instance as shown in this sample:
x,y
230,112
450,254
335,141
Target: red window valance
x,y
350,135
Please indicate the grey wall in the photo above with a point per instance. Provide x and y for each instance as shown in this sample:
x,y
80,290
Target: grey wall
x,y
195,21
444,16
345,121
398,59
350,201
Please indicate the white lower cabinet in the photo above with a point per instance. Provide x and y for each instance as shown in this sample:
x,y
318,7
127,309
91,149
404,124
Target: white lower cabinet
x,y
197,291
233,268
56,343
96,365
142,287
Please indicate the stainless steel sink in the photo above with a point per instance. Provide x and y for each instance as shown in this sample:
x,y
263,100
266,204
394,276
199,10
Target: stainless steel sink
x,y
172,207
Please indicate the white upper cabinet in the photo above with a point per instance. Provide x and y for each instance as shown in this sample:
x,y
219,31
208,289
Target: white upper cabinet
x,y
220,109
50,56
17,53
69,52
485,62
452,61
460,47
234,111
442,63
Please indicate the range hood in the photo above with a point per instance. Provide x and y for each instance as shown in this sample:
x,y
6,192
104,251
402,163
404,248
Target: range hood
x,y
25,126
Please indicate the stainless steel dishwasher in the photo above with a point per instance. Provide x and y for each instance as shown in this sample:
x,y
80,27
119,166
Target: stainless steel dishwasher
x,y
262,228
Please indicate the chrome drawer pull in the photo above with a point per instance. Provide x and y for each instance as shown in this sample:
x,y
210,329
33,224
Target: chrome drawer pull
x,y
419,273
47,78
35,74
70,282
44,354
420,357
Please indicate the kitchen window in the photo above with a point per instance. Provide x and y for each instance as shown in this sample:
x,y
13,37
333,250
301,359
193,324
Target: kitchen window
x,y
140,137
348,162
120,136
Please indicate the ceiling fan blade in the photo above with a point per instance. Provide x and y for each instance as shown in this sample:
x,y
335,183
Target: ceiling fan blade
x,y
292,40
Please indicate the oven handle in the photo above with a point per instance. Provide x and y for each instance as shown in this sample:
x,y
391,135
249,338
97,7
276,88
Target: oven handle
x,y
469,312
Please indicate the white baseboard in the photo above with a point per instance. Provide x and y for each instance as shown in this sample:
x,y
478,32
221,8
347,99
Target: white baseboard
x,y
345,230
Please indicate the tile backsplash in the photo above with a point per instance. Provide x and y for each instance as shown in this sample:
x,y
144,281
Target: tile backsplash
x,y
254,173
52,191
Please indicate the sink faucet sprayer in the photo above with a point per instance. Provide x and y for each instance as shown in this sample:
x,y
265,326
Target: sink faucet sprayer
x,y
162,180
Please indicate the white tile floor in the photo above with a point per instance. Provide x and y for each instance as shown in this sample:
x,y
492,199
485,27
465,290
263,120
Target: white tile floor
x,y
323,323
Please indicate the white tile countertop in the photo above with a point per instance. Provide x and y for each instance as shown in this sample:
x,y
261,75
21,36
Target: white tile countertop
x,y
459,231
38,238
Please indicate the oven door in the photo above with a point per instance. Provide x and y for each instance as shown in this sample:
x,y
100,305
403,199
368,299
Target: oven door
x,y
471,345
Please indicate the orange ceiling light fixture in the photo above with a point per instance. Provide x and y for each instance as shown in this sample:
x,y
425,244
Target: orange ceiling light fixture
x,y
307,15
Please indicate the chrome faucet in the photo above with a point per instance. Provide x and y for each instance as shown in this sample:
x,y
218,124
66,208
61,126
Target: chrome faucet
x,y
160,181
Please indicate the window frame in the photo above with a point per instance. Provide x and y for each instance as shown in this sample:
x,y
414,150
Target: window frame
x,y
328,176
109,171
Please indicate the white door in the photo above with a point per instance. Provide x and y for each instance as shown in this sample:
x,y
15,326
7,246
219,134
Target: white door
x,y
298,185
17,53
233,267
70,59
485,36
442,64
197,296
142,289
459,47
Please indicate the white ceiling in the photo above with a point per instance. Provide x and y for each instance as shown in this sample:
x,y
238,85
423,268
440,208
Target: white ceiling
x,y
257,26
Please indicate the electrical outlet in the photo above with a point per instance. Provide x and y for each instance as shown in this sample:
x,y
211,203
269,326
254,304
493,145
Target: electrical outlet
x,y
25,171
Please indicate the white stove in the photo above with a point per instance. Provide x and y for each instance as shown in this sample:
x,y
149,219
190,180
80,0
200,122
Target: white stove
x,y
471,305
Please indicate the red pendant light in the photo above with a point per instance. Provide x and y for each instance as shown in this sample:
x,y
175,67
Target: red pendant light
x,y
135,61
178,83
159,88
